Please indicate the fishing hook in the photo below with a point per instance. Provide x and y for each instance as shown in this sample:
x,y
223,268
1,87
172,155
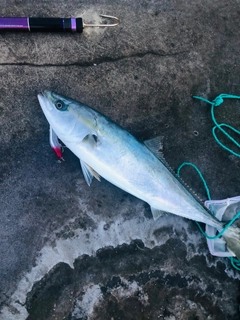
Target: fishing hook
x,y
117,21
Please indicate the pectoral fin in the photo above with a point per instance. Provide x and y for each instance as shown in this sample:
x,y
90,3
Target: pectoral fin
x,y
91,140
89,173
157,213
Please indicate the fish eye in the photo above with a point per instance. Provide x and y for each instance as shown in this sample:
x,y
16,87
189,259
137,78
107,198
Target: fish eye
x,y
59,105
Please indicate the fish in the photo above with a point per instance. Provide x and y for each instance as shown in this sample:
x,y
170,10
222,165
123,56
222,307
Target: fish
x,y
107,150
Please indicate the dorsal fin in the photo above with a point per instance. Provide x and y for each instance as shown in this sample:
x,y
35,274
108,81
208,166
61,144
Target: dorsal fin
x,y
155,145
189,189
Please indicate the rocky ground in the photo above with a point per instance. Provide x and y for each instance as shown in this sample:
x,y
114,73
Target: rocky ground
x,y
73,252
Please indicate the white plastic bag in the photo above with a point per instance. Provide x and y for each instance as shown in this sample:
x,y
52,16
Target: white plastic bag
x,y
224,210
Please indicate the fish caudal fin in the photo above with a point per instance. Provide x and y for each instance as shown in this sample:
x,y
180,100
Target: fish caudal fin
x,y
232,238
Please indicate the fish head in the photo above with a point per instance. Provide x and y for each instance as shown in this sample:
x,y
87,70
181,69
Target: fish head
x,y
70,120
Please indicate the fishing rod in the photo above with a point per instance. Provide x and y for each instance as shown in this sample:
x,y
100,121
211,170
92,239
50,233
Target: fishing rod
x,y
34,24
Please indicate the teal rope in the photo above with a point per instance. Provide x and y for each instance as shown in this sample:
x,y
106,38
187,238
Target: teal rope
x,y
199,173
222,231
235,262
215,103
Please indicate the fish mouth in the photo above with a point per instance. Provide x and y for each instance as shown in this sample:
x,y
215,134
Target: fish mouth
x,y
44,99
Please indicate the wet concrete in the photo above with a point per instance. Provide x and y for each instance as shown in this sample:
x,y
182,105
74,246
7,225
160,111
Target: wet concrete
x,y
141,290
74,252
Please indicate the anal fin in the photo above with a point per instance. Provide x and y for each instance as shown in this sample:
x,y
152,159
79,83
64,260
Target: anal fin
x,y
157,213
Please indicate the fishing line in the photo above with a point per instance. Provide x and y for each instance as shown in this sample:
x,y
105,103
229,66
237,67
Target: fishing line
x,y
235,262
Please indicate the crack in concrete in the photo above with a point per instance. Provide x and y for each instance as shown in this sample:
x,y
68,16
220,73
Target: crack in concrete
x,y
97,61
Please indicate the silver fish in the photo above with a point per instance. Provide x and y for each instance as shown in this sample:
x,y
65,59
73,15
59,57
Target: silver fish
x,y
107,150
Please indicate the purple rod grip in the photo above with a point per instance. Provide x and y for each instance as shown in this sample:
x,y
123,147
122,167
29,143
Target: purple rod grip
x,y
41,24
14,24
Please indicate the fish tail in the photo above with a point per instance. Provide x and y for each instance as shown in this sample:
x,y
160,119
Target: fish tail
x,y
232,238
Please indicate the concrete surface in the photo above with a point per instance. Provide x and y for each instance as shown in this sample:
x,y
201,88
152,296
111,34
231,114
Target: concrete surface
x,y
68,251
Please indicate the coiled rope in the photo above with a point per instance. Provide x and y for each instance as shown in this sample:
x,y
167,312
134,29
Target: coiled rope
x,y
216,102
